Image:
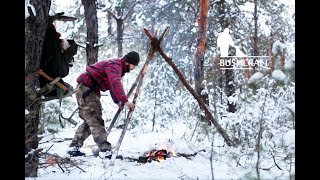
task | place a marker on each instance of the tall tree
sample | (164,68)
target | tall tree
(255,36)
(92,47)
(225,21)
(35,28)
(120,16)
(201,49)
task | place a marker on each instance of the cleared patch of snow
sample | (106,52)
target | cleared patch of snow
(134,145)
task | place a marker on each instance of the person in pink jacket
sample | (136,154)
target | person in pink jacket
(100,76)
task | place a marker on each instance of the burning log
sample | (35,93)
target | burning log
(154,152)
(159,155)
(156,155)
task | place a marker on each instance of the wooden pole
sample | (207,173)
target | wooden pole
(61,86)
(189,88)
(142,74)
(129,116)
(150,55)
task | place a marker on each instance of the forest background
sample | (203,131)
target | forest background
(257,110)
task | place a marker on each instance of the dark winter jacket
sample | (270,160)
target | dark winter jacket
(108,74)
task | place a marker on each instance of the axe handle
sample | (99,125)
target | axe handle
(42,73)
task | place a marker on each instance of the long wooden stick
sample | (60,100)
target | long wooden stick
(42,73)
(151,52)
(114,155)
(119,110)
(143,73)
(150,55)
(189,88)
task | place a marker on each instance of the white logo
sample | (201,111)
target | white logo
(223,42)
(241,60)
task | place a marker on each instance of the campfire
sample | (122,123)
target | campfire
(157,155)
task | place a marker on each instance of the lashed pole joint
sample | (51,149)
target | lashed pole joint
(154,41)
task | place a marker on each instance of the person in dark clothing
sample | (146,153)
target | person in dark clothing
(57,54)
(100,76)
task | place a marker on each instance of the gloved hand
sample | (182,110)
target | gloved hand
(64,44)
(120,105)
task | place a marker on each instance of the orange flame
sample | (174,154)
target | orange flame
(160,154)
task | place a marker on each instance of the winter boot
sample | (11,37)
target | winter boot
(74,151)
(105,155)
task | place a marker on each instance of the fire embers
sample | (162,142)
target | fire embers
(156,155)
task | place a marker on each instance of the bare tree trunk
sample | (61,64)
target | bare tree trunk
(229,74)
(120,29)
(201,49)
(258,145)
(110,25)
(282,58)
(255,37)
(90,13)
(120,17)
(35,28)
(270,53)
(221,7)
(230,89)
(211,160)
(223,23)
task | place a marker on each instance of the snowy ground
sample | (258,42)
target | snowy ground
(135,144)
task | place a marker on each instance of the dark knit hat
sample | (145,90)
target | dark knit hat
(132,57)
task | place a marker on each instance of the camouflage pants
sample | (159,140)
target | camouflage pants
(90,111)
